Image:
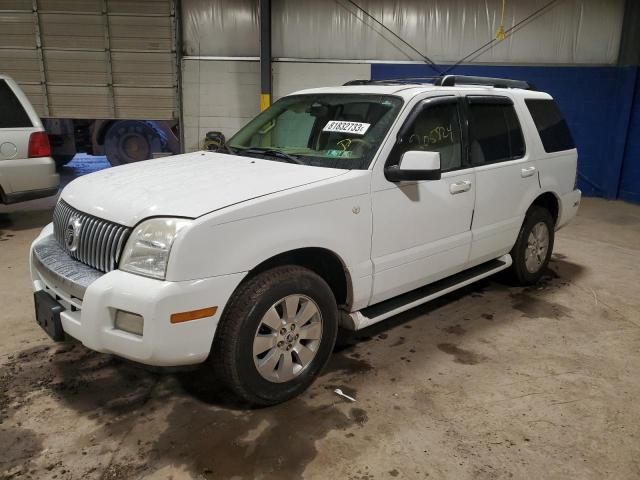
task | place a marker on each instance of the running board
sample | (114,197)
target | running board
(380,311)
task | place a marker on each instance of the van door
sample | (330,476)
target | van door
(505,172)
(422,229)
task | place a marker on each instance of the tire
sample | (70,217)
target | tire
(536,221)
(130,141)
(234,358)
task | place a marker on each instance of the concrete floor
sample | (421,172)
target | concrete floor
(490,382)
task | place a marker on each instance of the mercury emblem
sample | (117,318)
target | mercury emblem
(72,234)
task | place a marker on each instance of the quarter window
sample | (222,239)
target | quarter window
(12,115)
(552,127)
(495,132)
(436,129)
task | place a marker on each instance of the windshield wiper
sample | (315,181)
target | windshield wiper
(272,153)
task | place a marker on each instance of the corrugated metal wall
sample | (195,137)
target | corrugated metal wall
(92,58)
(572,31)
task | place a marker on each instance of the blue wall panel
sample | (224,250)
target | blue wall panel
(596,102)
(630,178)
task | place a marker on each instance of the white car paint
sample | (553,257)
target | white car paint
(21,177)
(390,237)
(201,182)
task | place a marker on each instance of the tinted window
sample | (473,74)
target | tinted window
(12,115)
(436,129)
(553,129)
(495,133)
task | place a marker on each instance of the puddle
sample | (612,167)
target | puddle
(455,330)
(536,307)
(277,442)
(465,357)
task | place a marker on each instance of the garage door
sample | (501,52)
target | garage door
(92,58)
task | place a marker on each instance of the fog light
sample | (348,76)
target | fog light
(129,322)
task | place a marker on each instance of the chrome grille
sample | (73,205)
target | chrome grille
(100,242)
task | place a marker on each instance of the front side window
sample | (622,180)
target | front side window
(324,130)
(12,115)
(435,129)
(494,131)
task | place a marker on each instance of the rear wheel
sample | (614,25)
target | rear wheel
(276,335)
(532,250)
(132,141)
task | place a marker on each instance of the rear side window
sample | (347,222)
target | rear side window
(553,129)
(12,115)
(495,132)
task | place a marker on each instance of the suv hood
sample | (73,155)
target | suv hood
(188,185)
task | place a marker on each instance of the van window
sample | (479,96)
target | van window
(552,127)
(12,115)
(495,133)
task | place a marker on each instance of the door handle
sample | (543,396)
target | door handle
(460,187)
(527,172)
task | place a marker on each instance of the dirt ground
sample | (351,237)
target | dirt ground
(489,382)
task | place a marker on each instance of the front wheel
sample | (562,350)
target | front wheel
(275,335)
(533,248)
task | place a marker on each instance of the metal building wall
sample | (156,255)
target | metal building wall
(223,95)
(572,32)
(221,42)
(92,58)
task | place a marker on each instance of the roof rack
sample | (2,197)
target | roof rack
(450,81)
(395,81)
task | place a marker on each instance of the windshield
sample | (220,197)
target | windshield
(325,130)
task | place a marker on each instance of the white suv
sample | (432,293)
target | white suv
(336,206)
(27,170)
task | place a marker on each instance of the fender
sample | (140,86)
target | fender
(252,232)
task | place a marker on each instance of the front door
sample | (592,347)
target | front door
(422,229)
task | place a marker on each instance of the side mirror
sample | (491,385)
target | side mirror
(415,165)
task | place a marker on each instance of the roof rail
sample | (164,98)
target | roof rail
(394,81)
(452,80)
(449,81)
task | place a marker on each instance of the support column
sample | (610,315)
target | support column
(265,54)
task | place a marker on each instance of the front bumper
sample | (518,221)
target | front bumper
(92,298)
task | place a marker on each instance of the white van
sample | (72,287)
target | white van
(27,170)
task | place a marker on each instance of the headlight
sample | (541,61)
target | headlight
(147,250)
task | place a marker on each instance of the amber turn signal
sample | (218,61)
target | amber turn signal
(193,315)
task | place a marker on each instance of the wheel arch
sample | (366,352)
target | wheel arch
(324,262)
(550,201)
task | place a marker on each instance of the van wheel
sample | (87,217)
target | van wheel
(130,141)
(533,248)
(275,335)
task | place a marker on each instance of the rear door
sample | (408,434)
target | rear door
(505,172)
